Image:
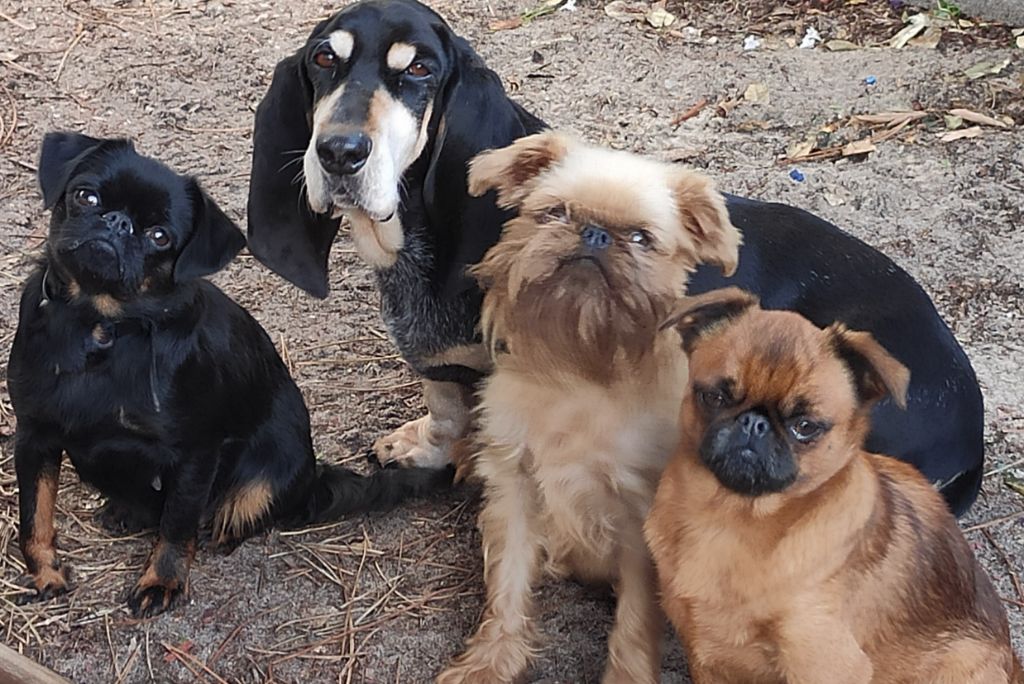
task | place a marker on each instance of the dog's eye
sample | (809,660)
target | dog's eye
(713,399)
(417,70)
(556,214)
(87,198)
(325,58)
(641,237)
(160,238)
(805,430)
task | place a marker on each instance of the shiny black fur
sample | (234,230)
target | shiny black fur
(166,395)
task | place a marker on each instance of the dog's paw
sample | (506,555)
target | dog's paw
(46,584)
(149,600)
(164,582)
(411,446)
(469,674)
(119,519)
(502,661)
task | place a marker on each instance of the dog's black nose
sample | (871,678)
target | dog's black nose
(754,424)
(118,222)
(344,154)
(595,237)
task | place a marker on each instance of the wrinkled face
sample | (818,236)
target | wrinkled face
(771,407)
(120,223)
(375,71)
(601,249)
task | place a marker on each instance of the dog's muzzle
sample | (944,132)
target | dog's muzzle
(344,155)
(747,457)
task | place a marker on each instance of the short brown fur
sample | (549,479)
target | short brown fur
(580,414)
(856,572)
(39,548)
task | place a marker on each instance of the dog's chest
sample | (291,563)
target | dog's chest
(84,375)
(593,454)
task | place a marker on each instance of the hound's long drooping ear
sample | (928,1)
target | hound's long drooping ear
(284,234)
(694,316)
(704,216)
(473,114)
(512,169)
(213,242)
(875,372)
(61,153)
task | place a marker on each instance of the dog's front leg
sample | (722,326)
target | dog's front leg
(430,441)
(165,578)
(37,463)
(634,645)
(504,643)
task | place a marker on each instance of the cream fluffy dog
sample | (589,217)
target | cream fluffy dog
(581,413)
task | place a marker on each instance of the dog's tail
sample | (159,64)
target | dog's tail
(338,491)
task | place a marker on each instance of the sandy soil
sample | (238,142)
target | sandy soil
(389,598)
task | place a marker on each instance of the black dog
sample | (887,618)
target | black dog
(384,96)
(165,394)
(337,96)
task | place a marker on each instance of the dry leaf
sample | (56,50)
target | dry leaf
(833,199)
(623,11)
(975,117)
(859,147)
(953,122)
(757,93)
(840,45)
(972,132)
(801,148)
(929,39)
(985,69)
(658,17)
(505,24)
(916,24)
(724,107)
(1020,42)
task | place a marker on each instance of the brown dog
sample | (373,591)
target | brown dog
(786,553)
(580,415)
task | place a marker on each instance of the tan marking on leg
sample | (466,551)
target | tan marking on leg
(377,243)
(40,550)
(342,43)
(168,567)
(400,56)
(473,356)
(74,289)
(243,511)
(429,441)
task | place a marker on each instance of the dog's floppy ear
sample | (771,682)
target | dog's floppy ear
(473,113)
(705,217)
(695,315)
(61,153)
(511,169)
(876,373)
(213,242)
(284,234)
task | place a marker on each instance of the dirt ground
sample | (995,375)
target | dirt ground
(389,598)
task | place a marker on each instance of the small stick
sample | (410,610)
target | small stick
(690,113)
